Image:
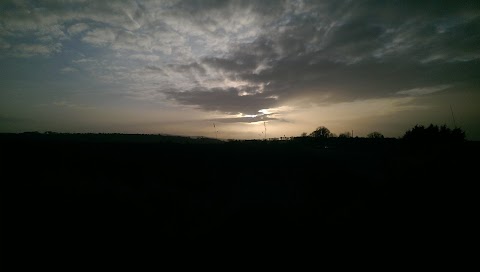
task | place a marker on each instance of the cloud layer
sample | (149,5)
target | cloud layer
(240,57)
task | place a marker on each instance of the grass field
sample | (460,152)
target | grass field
(71,191)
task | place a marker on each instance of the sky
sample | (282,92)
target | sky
(178,67)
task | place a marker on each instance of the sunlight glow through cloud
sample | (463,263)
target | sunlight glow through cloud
(181,64)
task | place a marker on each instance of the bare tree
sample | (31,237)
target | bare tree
(321,132)
(375,135)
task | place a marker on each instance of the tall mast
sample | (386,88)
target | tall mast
(265,125)
(453,117)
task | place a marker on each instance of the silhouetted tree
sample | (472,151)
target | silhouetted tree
(345,135)
(321,132)
(304,134)
(434,133)
(375,135)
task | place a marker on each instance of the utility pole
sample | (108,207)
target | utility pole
(216,132)
(453,117)
(265,125)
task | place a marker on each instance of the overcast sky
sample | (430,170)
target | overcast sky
(177,67)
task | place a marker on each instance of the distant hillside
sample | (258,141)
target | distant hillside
(105,138)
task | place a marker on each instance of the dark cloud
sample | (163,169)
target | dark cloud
(154,68)
(335,52)
(193,67)
(223,100)
(243,119)
(201,11)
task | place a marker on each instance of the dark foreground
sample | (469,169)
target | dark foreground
(71,192)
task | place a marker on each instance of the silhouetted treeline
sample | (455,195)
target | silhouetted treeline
(419,133)
(434,133)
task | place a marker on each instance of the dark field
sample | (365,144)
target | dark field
(103,191)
